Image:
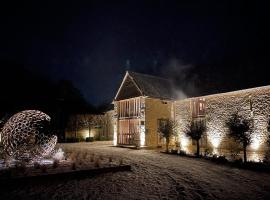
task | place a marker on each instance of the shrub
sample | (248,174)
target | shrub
(121,161)
(92,158)
(173,151)
(182,153)
(43,168)
(89,139)
(36,165)
(55,163)
(219,159)
(72,140)
(97,163)
(101,157)
(110,159)
(20,166)
(73,166)
(238,161)
(208,151)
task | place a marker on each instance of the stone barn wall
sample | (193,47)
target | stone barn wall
(251,103)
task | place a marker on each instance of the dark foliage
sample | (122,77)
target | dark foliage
(72,140)
(89,139)
(268,129)
(22,89)
(240,130)
(195,132)
(219,159)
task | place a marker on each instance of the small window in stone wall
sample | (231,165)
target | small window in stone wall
(198,107)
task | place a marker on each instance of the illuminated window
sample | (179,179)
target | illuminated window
(198,107)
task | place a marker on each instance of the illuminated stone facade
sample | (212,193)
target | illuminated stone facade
(215,110)
(251,103)
(140,102)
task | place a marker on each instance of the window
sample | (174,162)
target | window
(162,122)
(129,108)
(198,107)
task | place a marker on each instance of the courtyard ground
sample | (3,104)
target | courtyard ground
(154,176)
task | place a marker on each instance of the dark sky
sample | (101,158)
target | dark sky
(222,45)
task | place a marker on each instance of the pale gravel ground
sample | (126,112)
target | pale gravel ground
(154,176)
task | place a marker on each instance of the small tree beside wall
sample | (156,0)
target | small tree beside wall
(167,130)
(196,130)
(240,130)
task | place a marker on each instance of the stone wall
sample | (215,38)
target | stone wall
(251,103)
(91,125)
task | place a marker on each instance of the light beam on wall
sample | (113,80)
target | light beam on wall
(255,143)
(184,142)
(215,142)
(142,135)
(114,135)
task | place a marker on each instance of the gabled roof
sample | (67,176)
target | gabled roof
(149,85)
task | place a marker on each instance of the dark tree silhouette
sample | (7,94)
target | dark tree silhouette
(268,126)
(168,130)
(268,130)
(195,132)
(23,90)
(239,129)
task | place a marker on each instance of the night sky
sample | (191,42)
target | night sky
(204,46)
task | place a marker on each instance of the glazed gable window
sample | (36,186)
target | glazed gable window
(198,107)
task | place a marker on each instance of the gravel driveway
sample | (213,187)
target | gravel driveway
(153,176)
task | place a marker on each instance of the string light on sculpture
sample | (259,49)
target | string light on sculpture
(25,137)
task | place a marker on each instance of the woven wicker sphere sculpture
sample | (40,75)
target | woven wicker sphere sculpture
(25,136)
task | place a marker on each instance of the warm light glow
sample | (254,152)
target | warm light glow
(184,142)
(255,144)
(115,135)
(142,135)
(215,142)
(254,157)
(85,133)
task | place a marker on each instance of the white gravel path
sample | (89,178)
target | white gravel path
(154,176)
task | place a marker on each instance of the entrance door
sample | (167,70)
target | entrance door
(128,130)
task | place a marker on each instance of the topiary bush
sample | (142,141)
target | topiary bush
(89,139)
(72,140)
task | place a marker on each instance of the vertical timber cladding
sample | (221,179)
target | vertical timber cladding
(129,114)
(251,103)
(156,109)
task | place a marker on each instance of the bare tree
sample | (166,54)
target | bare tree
(195,132)
(88,121)
(240,130)
(167,130)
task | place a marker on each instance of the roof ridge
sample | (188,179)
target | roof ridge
(148,75)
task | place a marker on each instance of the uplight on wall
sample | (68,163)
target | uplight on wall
(142,135)
(255,144)
(114,135)
(215,141)
(184,142)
